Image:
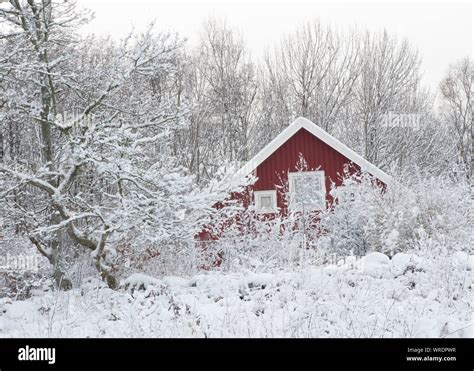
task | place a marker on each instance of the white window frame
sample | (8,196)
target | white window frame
(294,206)
(258,205)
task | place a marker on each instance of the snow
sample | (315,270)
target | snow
(139,281)
(400,263)
(379,298)
(444,327)
(19,309)
(376,264)
(464,260)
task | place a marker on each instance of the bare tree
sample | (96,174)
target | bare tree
(224,90)
(456,107)
(312,73)
(389,81)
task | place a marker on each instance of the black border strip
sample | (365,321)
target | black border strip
(137,354)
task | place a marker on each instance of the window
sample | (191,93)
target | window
(307,190)
(265,202)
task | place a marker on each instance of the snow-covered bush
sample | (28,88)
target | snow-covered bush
(428,215)
(366,218)
(22,269)
(263,243)
(165,243)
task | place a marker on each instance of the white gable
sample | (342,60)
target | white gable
(319,133)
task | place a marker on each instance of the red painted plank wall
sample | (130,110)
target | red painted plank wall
(317,155)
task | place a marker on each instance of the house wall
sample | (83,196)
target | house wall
(274,170)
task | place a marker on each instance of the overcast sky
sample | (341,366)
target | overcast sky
(442,31)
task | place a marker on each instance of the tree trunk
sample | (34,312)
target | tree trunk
(62,281)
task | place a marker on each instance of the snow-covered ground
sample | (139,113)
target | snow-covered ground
(406,296)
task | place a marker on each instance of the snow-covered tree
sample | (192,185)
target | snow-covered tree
(101,166)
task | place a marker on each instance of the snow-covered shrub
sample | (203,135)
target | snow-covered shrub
(22,269)
(261,243)
(21,285)
(142,282)
(163,241)
(427,215)
(366,218)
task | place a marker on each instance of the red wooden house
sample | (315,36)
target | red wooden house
(327,160)
(277,168)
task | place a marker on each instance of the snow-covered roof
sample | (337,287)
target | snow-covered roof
(302,123)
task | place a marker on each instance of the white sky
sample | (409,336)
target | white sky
(442,31)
